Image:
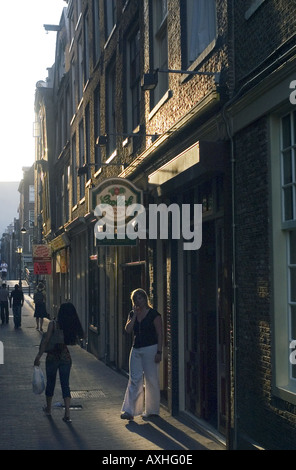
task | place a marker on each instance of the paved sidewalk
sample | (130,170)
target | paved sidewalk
(97,394)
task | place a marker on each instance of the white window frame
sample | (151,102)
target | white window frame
(31,193)
(284,374)
(31,218)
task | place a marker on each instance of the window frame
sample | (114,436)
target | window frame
(284,373)
(160,42)
(200,57)
(82,157)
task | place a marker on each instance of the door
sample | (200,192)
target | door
(205,328)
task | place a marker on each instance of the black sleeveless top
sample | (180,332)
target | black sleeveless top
(144,332)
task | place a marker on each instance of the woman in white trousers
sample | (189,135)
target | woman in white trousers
(145,322)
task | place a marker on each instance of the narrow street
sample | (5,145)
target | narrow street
(97,394)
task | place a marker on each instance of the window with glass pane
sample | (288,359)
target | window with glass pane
(135,78)
(82,179)
(292,289)
(110,16)
(96,34)
(111,110)
(31,193)
(160,46)
(201,26)
(97,106)
(74,171)
(86,50)
(288,147)
(31,218)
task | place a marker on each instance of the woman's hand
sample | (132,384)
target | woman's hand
(37,360)
(130,322)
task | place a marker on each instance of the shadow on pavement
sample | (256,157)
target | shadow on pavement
(164,435)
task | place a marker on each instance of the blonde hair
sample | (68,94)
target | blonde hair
(140,292)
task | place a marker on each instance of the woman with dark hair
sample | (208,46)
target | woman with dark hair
(68,330)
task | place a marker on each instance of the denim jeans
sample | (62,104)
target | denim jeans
(4,311)
(54,364)
(17,315)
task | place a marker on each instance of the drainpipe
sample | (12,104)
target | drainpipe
(233,439)
(234,286)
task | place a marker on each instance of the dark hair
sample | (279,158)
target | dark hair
(70,324)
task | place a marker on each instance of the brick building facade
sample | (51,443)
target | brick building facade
(212,138)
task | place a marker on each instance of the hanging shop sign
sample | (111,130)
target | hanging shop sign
(60,242)
(111,201)
(42,259)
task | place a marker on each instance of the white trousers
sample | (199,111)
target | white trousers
(142,362)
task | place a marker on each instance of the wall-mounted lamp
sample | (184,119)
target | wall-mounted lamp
(149,80)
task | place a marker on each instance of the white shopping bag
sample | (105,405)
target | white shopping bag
(38,382)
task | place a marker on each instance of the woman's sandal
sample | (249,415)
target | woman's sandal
(67,419)
(46,411)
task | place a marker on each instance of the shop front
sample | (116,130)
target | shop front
(192,284)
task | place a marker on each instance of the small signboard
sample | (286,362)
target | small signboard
(42,259)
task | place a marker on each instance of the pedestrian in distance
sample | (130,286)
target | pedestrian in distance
(39,299)
(59,358)
(17,299)
(4,268)
(4,298)
(146,325)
